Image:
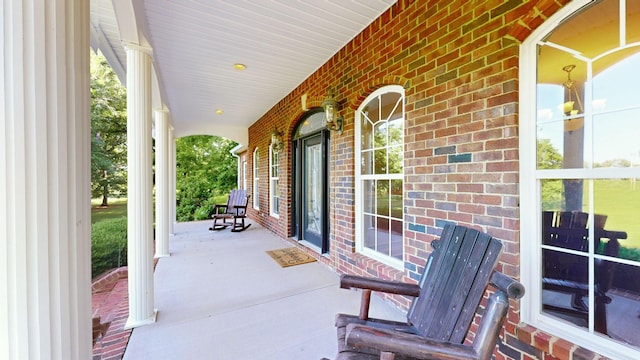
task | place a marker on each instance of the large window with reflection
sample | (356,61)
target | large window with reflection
(584,155)
(379,176)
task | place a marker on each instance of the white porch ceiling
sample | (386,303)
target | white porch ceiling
(196,43)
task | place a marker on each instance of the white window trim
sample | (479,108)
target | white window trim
(530,210)
(256,179)
(360,248)
(272,178)
(244,173)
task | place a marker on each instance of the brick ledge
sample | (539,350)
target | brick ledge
(554,346)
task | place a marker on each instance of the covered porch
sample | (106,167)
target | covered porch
(220,296)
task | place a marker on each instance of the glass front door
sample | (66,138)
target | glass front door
(312,191)
(310,210)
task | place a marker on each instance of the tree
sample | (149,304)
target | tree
(552,190)
(205,169)
(108,131)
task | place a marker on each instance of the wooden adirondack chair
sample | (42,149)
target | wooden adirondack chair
(445,302)
(232,213)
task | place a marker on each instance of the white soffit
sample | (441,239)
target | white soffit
(196,43)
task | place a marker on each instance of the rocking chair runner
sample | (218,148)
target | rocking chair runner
(454,281)
(233,213)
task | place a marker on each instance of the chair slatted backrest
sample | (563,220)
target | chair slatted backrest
(453,283)
(237,198)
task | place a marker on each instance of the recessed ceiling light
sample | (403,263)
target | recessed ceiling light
(239,66)
(219,111)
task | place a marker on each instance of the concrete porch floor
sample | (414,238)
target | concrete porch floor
(220,296)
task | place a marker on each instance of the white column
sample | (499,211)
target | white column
(162,183)
(139,187)
(172,181)
(45,244)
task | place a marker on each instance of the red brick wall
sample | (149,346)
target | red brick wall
(458,61)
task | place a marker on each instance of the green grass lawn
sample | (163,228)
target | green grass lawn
(621,204)
(117,208)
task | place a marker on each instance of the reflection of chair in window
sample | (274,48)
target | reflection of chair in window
(569,272)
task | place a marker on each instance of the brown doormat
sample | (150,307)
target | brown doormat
(290,256)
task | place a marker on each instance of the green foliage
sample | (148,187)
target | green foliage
(548,156)
(108,245)
(205,170)
(552,190)
(108,131)
(629,254)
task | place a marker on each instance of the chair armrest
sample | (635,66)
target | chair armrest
(240,209)
(370,284)
(390,287)
(405,344)
(511,287)
(217,207)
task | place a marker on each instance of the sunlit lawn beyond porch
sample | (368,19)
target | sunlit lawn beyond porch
(117,208)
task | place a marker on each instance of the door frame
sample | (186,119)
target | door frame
(297,174)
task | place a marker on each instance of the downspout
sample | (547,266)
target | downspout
(234,152)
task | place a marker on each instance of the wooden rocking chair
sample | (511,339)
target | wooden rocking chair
(445,302)
(232,213)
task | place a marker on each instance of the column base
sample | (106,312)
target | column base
(133,323)
(158,256)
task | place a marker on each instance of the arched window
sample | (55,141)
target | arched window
(580,158)
(256,179)
(379,176)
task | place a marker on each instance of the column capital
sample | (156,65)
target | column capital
(133,46)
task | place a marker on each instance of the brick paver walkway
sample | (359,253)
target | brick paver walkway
(110,305)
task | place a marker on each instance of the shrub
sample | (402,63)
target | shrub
(108,245)
(205,211)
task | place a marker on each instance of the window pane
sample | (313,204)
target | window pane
(633,22)
(368,196)
(383,235)
(616,81)
(396,239)
(390,108)
(369,232)
(372,110)
(617,205)
(601,30)
(552,194)
(367,163)
(395,160)
(396,199)
(616,141)
(310,125)
(380,161)
(367,132)
(382,195)
(391,105)
(396,132)
(617,235)
(622,312)
(380,134)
